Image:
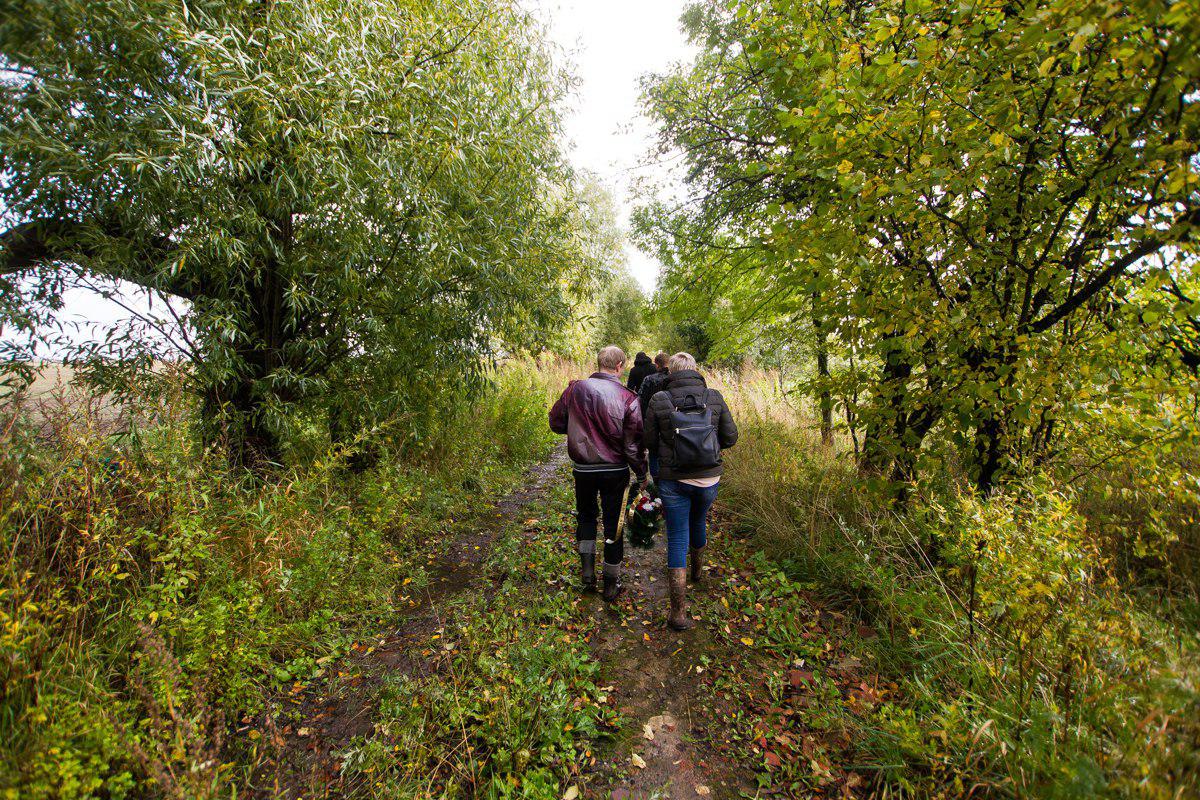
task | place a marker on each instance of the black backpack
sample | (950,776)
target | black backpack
(696,445)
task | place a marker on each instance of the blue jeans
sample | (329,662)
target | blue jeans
(652,457)
(685,509)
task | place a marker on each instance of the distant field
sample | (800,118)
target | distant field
(58,395)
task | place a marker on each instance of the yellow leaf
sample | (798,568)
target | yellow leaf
(571,793)
(638,761)
(746,640)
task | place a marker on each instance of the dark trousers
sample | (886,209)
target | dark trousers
(596,491)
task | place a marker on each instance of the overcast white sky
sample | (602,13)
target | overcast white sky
(611,44)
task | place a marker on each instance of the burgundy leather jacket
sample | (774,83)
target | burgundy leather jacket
(603,424)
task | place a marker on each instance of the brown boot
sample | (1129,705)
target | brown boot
(696,564)
(678,619)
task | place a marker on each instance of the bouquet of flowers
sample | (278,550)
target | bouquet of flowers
(642,519)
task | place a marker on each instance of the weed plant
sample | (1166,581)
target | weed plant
(1023,664)
(150,599)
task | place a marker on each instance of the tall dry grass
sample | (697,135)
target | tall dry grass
(1000,621)
(147,593)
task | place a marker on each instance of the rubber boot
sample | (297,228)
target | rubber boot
(696,564)
(587,571)
(678,619)
(612,582)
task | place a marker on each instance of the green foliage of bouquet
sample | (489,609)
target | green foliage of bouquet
(642,519)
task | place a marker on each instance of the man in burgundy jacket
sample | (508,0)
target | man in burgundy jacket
(603,424)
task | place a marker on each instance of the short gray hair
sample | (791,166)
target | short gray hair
(681,361)
(610,357)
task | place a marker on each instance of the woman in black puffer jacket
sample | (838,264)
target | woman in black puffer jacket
(687,425)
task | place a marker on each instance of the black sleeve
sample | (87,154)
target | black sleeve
(727,432)
(650,428)
(646,392)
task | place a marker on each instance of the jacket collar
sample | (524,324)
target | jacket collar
(685,378)
(607,375)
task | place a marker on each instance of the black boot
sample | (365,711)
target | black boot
(612,582)
(587,571)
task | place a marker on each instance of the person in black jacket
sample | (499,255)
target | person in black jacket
(642,366)
(688,491)
(655,382)
(652,385)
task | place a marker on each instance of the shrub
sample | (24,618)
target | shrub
(1023,664)
(146,593)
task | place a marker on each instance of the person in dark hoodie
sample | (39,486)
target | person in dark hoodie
(652,385)
(642,366)
(687,425)
(603,424)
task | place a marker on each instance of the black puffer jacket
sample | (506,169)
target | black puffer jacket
(651,385)
(642,366)
(659,436)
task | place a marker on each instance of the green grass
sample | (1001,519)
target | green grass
(1055,680)
(148,600)
(150,603)
(516,708)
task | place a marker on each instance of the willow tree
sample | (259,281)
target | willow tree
(981,197)
(350,195)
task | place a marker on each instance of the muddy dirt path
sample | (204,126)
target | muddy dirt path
(304,754)
(658,677)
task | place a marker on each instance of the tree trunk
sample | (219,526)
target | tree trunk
(887,420)
(825,400)
(824,395)
(993,449)
(995,439)
(231,422)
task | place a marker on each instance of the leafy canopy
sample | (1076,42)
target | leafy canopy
(345,192)
(983,202)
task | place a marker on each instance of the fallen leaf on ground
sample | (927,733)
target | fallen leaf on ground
(798,677)
(571,793)
(662,721)
(702,790)
(638,761)
(647,732)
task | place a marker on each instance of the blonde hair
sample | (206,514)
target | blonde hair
(610,357)
(681,361)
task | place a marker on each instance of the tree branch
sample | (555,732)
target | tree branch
(45,242)
(1101,280)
